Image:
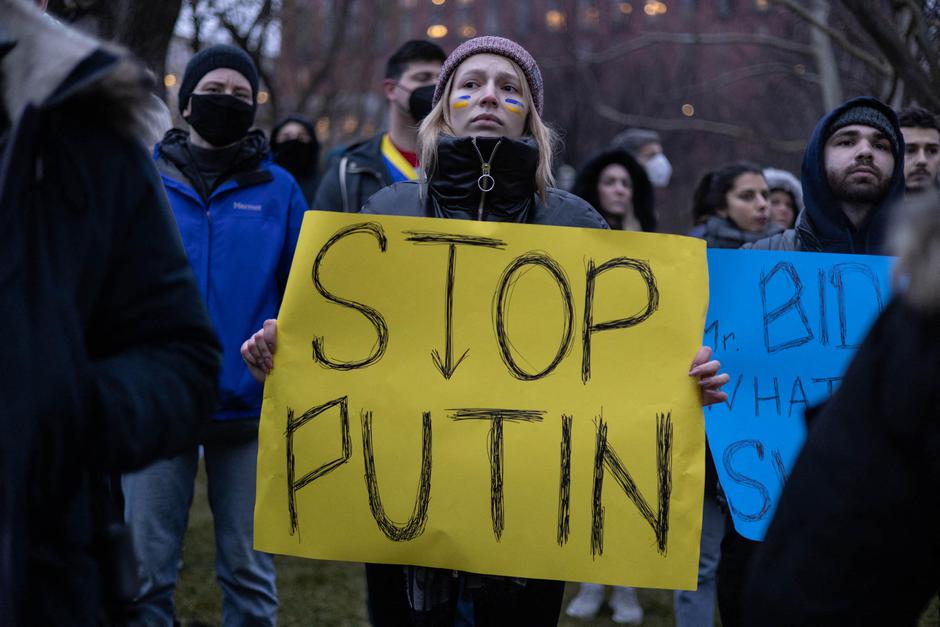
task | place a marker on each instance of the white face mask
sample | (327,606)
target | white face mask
(659,170)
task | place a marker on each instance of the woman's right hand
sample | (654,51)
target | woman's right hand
(258,350)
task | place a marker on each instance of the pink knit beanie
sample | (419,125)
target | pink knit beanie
(494,45)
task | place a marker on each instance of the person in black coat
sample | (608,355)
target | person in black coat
(616,185)
(855,540)
(109,361)
(488,158)
(296,149)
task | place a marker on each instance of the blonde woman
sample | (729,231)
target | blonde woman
(485,151)
(486,155)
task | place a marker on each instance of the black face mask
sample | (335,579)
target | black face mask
(419,103)
(296,156)
(220,119)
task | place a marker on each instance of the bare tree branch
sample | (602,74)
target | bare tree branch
(255,49)
(740,133)
(877,64)
(742,73)
(918,28)
(896,51)
(649,39)
(333,47)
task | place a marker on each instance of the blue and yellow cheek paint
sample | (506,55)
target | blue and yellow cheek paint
(461,102)
(514,106)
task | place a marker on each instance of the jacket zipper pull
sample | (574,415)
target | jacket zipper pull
(485,182)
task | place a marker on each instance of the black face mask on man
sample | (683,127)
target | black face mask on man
(419,103)
(296,156)
(220,119)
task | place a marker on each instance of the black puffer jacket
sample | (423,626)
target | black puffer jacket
(453,190)
(109,361)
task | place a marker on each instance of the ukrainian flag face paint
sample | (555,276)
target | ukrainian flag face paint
(486,98)
(514,106)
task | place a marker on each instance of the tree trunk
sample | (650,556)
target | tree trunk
(825,58)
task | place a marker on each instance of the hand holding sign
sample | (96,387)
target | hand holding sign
(785,326)
(706,370)
(258,350)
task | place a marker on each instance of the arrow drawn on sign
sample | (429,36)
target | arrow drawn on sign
(447,365)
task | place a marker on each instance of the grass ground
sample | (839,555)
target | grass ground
(332,594)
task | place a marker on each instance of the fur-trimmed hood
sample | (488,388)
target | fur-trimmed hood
(786,181)
(49,63)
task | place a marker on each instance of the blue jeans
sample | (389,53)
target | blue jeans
(157,501)
(697,609)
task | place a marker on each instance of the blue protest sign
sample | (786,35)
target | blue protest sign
(785,326)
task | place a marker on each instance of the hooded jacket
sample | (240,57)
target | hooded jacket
(585,185)
(453,191)
(109,361)
(239,237)
(822,225)
(351,179)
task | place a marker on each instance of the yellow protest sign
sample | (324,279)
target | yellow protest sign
(496,398)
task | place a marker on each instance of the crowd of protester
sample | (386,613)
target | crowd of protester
(144,266)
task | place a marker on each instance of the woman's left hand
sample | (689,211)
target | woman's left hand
(706,369)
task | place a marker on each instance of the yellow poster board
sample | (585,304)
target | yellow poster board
(496,398)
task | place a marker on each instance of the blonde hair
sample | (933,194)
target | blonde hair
(437,122)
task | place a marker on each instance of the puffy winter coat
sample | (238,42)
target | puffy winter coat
(452,191)
(240,242)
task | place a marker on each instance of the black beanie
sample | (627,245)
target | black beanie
(867,116)
(212,58)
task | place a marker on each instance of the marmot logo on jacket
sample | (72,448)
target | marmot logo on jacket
(247,207)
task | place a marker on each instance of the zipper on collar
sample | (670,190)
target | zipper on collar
(486,182)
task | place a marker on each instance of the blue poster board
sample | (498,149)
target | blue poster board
(785,326)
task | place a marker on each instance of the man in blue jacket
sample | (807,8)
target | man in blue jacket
(239,215)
